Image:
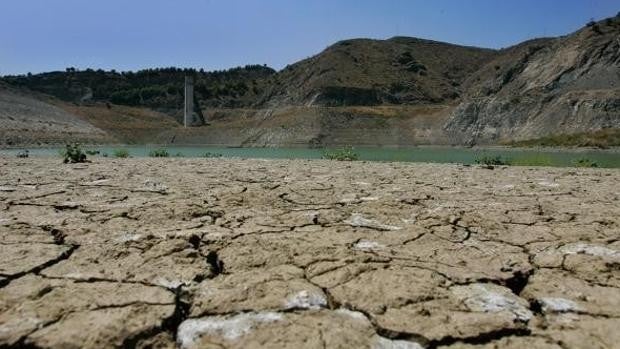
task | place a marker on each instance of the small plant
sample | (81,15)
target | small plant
(585,162)
(73,154)
(23,154)
(92,152)
(179,155)
(121,153)
(344,154)
(487,160)
(159,153)
(210,155)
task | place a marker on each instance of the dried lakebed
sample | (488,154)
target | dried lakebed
(192,253)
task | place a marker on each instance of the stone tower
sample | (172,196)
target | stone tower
(191,116)
(189,101)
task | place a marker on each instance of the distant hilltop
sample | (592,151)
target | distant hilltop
(400,91)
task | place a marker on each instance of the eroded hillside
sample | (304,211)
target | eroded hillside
(543,87)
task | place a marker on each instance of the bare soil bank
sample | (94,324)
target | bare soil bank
(265,253)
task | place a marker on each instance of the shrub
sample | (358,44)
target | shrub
(344,154)
(159,153)
(212,155)
(179,155)
(592,24)
(585,162)
(121,153)
(73,154)
(491,160)
(23,154)
(92,152)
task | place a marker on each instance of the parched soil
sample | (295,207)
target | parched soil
(222,253)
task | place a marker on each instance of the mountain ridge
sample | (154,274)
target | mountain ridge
(361,89)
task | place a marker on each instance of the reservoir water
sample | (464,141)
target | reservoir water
(526,157)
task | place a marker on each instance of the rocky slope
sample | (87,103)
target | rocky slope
(564,85)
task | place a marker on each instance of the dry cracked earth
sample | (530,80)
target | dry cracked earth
(191,253)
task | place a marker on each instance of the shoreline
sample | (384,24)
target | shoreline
(290,146)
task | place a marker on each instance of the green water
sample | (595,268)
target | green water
(528,157)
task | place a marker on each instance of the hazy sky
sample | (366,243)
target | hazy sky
(45,35)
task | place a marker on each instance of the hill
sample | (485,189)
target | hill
(544,87)
(160,89)
(373,72)
(395,92)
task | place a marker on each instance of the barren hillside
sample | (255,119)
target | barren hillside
(544,87)
(28,120)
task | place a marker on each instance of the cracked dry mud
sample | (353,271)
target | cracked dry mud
(159,253)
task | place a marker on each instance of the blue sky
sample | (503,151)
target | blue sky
(45,35)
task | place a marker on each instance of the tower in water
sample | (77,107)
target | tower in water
(191,117)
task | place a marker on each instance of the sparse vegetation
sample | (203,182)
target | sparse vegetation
(23,154)
(179,155)
(488,160)
(212,155)
(121,153)
(159,153)
(92,152)
(585,162)
(73,154)
(345,154)
(595,27)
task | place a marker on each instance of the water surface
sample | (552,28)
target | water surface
(544,157)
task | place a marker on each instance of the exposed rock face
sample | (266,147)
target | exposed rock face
(162,253)
(550,86)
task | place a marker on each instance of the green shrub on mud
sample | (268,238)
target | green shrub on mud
(488,160)
(23,154)
(344,154)
(121,153)
(73,154)
(210,155)
(159,153)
